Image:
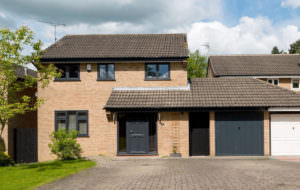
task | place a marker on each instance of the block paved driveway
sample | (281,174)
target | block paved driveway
(194,173)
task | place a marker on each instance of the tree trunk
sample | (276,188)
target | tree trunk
(2,142)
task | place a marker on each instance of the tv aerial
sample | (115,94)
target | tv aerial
(54,25)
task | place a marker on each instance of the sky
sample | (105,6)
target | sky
(227,26)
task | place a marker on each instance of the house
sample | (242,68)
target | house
(20,134)
(279,69)
(128,94)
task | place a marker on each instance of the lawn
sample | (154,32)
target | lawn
(29,176)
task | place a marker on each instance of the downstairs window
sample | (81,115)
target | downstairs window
(72,120)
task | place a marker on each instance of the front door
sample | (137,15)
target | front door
(137,134)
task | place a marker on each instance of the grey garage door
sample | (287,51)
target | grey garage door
(239,133)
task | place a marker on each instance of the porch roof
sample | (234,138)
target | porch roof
(206,93)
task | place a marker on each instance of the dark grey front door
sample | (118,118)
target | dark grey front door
(137,136)
(239,133)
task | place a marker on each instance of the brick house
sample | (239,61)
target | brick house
(129,95)
(279,69)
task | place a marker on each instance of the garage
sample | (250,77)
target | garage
(285,134)
(239,133)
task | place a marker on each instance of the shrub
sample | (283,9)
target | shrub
(64,145)
(5,160)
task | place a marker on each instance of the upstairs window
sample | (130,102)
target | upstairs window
(72,120)
(295,84)
(106,72)
(274,81)
(157,71)
(69,72)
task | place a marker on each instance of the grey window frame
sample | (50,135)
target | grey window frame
(106,70)
(67,73)
(78,118)
(157,71)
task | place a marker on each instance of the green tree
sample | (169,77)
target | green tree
(295,47)
(197,65)
(275,50)
(12,47)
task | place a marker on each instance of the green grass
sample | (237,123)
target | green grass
(29,176)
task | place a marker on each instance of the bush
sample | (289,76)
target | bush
(64,145)
(5,160)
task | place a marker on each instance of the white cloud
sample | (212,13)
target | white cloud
(249,36)
(291,3)
(161,13)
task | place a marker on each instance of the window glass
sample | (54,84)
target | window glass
(295,83)
(82,127)
(73,71)
(61,124)
(72,121)
(102,72)
(270,81)
(111,71)
(163,70)
(276,82)
(151,70)
(157,71)
(62,69)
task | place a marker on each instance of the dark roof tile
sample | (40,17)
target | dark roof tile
(208,93)
(119,46)
(255,65)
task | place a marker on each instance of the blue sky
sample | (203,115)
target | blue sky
(235,9)
(228,26)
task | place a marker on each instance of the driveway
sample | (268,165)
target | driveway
(194,173)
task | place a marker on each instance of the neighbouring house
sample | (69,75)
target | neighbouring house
(128,94)
(20,134)
(281,70)
(278,69)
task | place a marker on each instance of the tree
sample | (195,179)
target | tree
(12,47)
(275,50)
(295,47)
(197,65)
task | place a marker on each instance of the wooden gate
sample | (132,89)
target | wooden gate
(25,145)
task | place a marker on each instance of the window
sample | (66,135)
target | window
(295,84)
(157,71)
(69,72)
(274,81)
(72,120)
(106,72)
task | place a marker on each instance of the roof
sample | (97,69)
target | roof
(121,46)
(255,65)
(207,93)
(22,71)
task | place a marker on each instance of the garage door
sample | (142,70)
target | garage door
(285,134)
(239,133)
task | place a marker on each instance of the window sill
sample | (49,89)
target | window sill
(157,79)
(130,154)
(106,79)
(67,80)
(84,136)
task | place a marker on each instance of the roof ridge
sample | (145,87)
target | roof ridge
(241,55)
(131,34)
